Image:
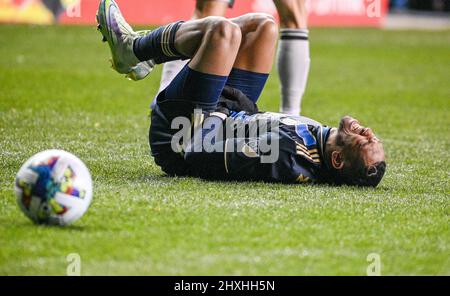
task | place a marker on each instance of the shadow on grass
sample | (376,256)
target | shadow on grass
(171,180)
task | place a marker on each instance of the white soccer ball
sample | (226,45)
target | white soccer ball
(53,187)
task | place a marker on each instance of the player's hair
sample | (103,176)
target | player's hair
(355,171)
(365,176)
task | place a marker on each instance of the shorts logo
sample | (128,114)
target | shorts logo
(250,149)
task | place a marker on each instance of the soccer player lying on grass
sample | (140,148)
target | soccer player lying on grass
(229,64)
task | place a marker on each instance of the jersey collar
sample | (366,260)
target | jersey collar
(323,134)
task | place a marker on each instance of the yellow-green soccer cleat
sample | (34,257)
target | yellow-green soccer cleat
(120,37)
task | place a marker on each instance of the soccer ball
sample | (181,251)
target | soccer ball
(53,187)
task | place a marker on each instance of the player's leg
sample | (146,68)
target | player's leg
(239,50)
(174,41)
(212,43)
(259,33)
(293,53)
(255,58)
(203,9)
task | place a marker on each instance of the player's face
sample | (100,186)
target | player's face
(360,140)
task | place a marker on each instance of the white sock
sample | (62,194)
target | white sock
(169,71)
(293,68)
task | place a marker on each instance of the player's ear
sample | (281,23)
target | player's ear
(337,159)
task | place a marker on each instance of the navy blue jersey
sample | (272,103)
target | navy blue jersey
(299,157)
(301,143)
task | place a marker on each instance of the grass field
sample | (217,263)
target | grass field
(57,91)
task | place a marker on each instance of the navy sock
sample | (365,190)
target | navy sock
(158,45)
(248,82)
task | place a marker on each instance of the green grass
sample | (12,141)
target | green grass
(56,91)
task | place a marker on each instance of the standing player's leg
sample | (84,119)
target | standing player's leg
(293,53)
(203,9)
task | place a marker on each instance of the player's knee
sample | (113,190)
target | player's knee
(269,29)
(225,32)
(265,17)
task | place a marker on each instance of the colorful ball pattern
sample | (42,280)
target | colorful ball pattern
(54,187)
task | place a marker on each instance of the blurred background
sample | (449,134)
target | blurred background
(369,13)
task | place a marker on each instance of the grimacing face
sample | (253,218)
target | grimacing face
(359,141)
